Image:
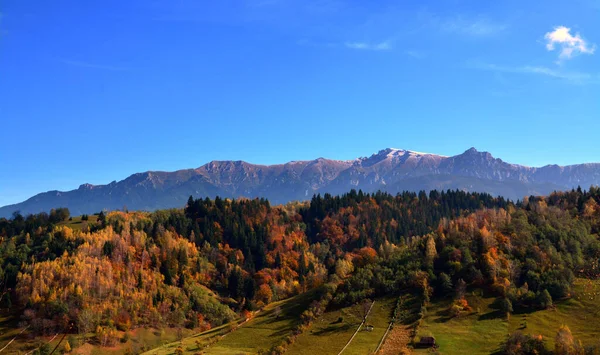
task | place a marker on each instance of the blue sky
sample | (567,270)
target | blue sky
(94,91)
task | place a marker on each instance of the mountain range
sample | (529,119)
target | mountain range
(391,170)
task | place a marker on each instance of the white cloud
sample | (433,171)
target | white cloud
(415,54)
(381,46)
(569,45)
(573,77)
(474,27)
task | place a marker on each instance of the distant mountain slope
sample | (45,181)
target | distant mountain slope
(391,170)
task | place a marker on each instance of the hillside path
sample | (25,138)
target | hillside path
(358,329)
(397,341)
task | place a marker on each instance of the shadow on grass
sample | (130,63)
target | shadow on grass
(212,332)
(524,310)
(334,329)
(409,309)
(443,315)
(442,319)
(491,315)
(281,332)
(410,319)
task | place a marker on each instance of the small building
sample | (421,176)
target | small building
(426,342)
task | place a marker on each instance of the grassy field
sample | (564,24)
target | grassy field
(138,339)
(328,334)
(479,332)
(483,330)
(400,336)
(331,332)
(76,223)
(581,314)
(264,330)
(196,342)
(9,329)
(366,342)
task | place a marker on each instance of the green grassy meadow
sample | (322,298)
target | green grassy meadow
(366,342)
(195,343)
(330,332)
(138,339)
(484,329)
(265,329)
(581,314)
(76,223)
(478,332)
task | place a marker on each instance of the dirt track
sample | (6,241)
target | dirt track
(396,341)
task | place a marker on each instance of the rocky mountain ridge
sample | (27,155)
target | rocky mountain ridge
(391,170)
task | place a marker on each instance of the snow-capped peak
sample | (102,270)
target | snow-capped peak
(391,152)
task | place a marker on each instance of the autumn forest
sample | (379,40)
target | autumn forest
(218,260)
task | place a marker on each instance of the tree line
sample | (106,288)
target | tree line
(199,266)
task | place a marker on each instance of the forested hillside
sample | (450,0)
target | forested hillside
(218,260)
